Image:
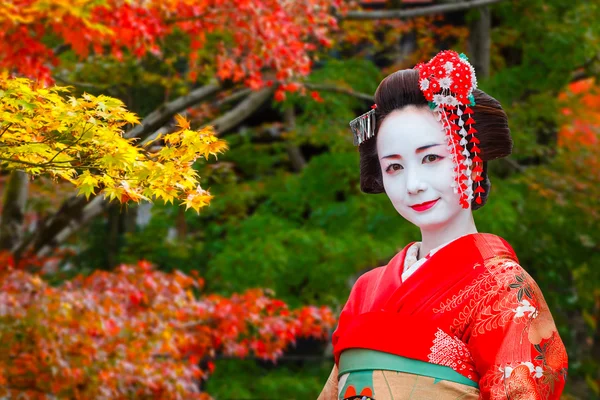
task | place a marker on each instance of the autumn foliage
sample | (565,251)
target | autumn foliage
(574,179)
(580,102)
(134,333)
(251,35)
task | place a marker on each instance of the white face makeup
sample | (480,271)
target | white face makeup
(417,169)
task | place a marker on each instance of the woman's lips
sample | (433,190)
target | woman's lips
(424,206)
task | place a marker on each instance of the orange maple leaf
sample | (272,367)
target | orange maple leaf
(182,122)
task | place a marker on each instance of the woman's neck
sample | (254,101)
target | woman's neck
(462,225)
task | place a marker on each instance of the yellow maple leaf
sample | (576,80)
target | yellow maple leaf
(131,118)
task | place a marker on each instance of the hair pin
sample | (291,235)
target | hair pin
(363,126)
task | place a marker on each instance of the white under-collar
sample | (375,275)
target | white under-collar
(411,263)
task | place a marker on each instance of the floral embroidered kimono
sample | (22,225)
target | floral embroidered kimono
(470,323)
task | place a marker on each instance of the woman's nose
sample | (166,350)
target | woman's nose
(414,183)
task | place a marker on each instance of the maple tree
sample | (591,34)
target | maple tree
(271,44)
(81,140)
(269,33)
(135,332)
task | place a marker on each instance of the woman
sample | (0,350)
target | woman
(454,316)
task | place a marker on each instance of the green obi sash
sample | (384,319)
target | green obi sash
(353,360)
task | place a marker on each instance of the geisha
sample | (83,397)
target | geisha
(453,316)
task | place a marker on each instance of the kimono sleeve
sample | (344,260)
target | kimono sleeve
(514,343)
(349,310)
(361,299)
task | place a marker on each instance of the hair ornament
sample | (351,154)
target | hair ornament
(447,82)
(363,126)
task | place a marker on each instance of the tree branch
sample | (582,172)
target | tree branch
(234,97)
(157,118)
(61,48)
(513,164)
(85,85)
(242,111)
(70,210)
(168,128)
(77,211)
(6,128)
(339,89)
(73,219)
(416,12)
(52,164)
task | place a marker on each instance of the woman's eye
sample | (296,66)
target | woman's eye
(431,158)
(393,167)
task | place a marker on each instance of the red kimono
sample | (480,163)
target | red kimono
(470,307)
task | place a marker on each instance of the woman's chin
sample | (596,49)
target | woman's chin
(432,225)
(428,221)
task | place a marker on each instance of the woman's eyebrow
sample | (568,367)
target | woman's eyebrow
(423,148)
(419,150)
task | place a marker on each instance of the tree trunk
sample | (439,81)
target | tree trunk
(13,211)
(595,350)
(480,43)
(296,157)
(113,235)
(130,218)
(181,224)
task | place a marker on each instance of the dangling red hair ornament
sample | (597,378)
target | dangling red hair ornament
(447,82)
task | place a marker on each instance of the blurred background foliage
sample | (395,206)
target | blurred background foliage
(307,232)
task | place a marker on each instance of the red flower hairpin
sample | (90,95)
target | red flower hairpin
(447,82)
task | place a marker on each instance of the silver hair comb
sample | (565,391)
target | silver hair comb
(363,126)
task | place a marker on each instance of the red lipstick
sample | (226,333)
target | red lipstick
(424,206)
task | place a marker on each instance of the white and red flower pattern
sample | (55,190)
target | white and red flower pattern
(454,353)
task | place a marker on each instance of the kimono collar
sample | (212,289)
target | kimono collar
(412,263)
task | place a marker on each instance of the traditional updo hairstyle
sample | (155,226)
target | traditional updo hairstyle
(401,89)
